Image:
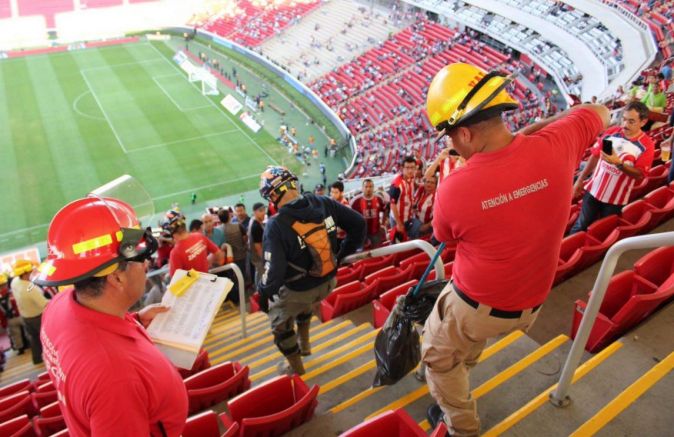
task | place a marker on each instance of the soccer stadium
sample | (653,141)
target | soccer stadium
(336,217)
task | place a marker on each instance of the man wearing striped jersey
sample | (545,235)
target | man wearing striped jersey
(609,188)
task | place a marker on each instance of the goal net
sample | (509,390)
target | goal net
(207,81)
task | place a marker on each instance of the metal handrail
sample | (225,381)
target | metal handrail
(559,397)
(401,247)
(239,277)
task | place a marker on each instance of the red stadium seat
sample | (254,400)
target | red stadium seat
(207,424)
(43,399)
(417,269)
(418,258)
(656,177)
(371,266)
(273,408)
(638,216)
(63,433)
(440,431)
(393,423)
(254,302)
(216,384)
(44,387)
(661,201)
(44,377)
(381,307)
(46,426)
(201,363)
(569,256)
(16,387)
(346,298)
(448,272)
(17,427)
(350,275)
(16,405)
(381,273)
(656,266)
(640,188)
(629,300)
(51,410)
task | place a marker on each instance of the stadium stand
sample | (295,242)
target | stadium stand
(249,23)
(88,4)
(657,16)
(340,31)
(46,8)
(5,9)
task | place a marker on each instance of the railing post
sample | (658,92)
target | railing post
(559,397)
(242,291)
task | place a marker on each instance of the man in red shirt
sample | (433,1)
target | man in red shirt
(402,200)
(423,202)
(372,208)
(337,193)
(444,164)
(505,211)
(613,179)
(110,378)
(192,250)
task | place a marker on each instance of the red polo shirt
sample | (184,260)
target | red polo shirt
(191,253)
(507,211)
(111,379)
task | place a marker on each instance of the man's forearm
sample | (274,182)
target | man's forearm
(603,113)
(632,172)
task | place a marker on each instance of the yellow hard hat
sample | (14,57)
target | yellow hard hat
(23,266)
(461,91)
(3,279)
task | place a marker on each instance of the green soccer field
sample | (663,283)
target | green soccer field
(73,121)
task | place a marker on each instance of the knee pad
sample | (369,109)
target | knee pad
(286,342)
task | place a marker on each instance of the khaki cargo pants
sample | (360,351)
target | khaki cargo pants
(454,336)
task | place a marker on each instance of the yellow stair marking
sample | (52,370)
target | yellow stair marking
(225,315)
(341,360)
(269,338)
(626,398)
(348,376)
(314,338)
(519,366)
(234,331)
(542,398)
(235,322)
(318,360)
(425,425)
(411,397)
(14,370)
(261,337)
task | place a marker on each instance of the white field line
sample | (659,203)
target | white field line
(177,105)
(105,114)
(166,196)
(184,140)
(77,109)
(122,64)
(220,109)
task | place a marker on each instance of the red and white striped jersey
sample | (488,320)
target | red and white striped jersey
(447,165)
(424,205)
(608,183)
(402,197)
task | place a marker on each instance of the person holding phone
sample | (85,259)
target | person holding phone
(625,154)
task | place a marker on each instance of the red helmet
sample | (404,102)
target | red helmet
(88,237)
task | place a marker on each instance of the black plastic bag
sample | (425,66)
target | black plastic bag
(419,307)
(396,348)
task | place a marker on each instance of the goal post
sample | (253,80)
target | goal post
(208,82)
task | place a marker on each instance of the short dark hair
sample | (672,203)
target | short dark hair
(640,107)
(257,206)
(365,181)
(338,185)
(93,286)
(195,225)
(409,158)
(223,215)
(240,205)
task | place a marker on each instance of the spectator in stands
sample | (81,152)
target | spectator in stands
(15,327)
(373,208)
(443,165)
(241,216)
(337,193)
(235,236)
(196,225)
(111,379)
(191,250)
(212,232)
(299,267)
(488,209)
(609,188)
(402,200)
(31,303)
(255,233)
(424,199)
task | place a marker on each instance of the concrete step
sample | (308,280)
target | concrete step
(640,350)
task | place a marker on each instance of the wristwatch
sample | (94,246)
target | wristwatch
(620,166)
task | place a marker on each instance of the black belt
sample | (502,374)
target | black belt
(502,314)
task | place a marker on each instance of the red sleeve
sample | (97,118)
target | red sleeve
(175,262)
(441,225)
(211,247)
(645,160)
(575,132)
